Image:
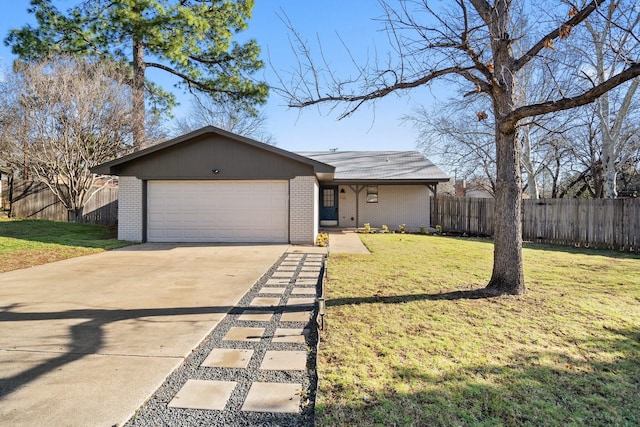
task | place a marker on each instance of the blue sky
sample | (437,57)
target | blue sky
(376,127)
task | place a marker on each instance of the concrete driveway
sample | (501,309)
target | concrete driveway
(85,341)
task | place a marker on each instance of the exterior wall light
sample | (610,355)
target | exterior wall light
(215,171)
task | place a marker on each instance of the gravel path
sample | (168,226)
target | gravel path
(155,411)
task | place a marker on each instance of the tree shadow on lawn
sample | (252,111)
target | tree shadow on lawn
(532,388)
(472,294)
(569,249)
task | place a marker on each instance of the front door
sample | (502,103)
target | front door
(329,206)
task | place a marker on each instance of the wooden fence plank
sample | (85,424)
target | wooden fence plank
(601,223)
(35,200)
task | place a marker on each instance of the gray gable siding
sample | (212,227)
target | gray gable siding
(196,158)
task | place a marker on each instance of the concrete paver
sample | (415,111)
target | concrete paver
(303,282)
(275,360)
(87,340)
(296,316)
(228,358)
(300,301)
(273,397)
(290,335)
(256,315)
(203,394)
(264,302)
(272,290)
(237,333)
(303,291)
(276,282)
(308,274)
(283,274)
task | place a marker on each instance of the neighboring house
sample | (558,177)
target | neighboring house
(214,186)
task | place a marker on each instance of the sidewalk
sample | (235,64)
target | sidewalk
(258,366)
(346,242)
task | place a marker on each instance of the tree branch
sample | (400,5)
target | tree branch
(567,103)
(572,22)
(379,93)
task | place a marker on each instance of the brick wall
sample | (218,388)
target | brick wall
(303,210)
(130,209)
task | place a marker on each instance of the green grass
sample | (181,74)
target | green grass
(26,243)
(409,343)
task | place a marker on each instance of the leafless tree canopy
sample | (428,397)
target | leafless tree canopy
(228,116)
(474,43)
(60,118)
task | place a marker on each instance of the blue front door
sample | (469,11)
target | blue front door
(329,206)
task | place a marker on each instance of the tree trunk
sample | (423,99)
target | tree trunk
(137,94)
(508,275)
(75,215)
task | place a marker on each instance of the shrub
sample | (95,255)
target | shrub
(322,239)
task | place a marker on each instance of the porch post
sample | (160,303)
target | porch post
(357,191)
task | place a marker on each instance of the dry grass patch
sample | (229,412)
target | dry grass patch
(409,342)
(26,243)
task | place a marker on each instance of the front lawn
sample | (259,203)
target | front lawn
(404,345)
(25,243)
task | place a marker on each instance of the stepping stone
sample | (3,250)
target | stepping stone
(273,397)
(304,291)
(300,301)
(309,274)
(283,274)
(284,361)
(228,358)
(315,269)
(290,263)
(306,282)
(287,267)
(277,282)
(256,316)
(271,290)
(311,264)
(296,316)
(292,335)
(202,394)
(264,302)
(244,334)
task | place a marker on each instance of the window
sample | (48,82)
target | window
(328,198)
(372,194)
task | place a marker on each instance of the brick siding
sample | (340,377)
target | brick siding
(303,210)
(130,209)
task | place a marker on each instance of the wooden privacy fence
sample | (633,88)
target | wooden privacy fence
(601,223)
(35,200)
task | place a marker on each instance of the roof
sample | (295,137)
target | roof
(380,166)
(109,168)
(401,167)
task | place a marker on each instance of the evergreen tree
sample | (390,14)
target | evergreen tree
(190,39)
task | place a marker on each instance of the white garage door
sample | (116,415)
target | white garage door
(218,211)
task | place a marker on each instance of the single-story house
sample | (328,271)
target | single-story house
(214,186)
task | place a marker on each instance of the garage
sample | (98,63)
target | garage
(218,211)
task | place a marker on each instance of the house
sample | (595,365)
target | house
(214,186)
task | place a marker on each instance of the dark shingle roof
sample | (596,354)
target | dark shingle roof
(398,166)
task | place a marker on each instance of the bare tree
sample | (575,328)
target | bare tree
(471,42)
(611,46)
(229,116)
(65,116)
